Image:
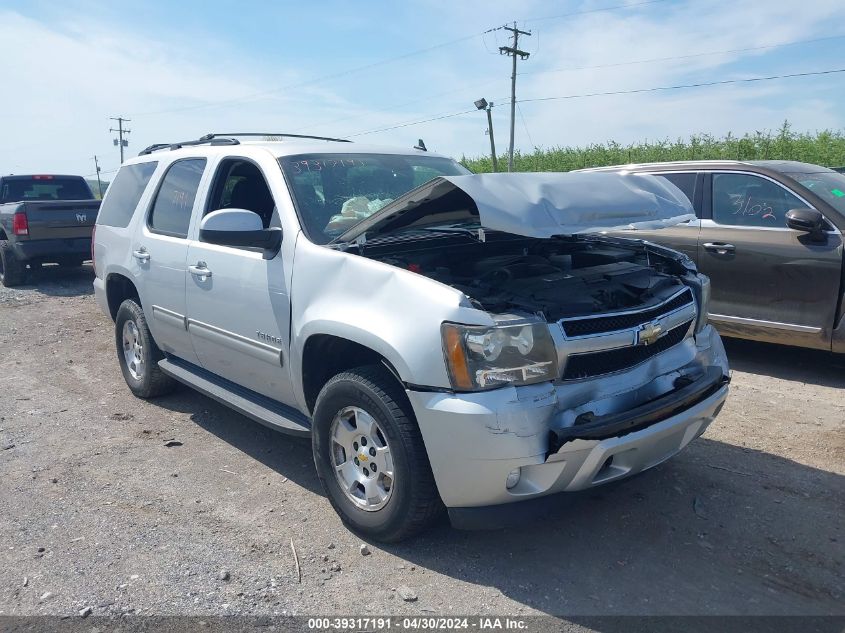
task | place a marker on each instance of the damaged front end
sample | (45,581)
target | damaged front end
(598,362)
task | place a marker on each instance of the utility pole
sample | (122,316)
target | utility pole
(99,183)
(119,141)
(513,51)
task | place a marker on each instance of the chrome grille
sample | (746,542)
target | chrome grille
(597,363)
(607,343)
(587,326)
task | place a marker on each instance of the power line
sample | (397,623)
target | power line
(525,125)
(682,86)
(602,94)
(102,171)
(322,78)
(679,57)
(387,60)
(426,98)
(410,123)
(398,106)
(599,10)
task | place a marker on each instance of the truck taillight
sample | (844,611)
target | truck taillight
(20,226)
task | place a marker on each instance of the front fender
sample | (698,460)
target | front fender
(392,311)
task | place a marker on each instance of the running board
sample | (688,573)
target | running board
(249,403)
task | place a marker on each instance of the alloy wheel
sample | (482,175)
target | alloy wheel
(361,459)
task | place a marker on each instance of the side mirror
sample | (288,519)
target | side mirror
(239,228)
(807,221)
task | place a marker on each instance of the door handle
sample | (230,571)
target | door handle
(200,270)
(141,254)
(720,248)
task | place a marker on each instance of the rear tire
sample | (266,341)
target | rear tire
(138,353)
(12,270)
(372,405)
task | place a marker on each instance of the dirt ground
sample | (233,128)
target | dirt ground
(96,510)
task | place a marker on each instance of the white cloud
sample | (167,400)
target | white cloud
(68,78)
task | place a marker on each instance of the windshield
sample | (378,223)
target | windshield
(333,192)
(828,186)
(44,188)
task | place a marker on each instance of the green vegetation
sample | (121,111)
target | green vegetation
(822,148)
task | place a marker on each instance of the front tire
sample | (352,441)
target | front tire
(12,270)
(370,456)
(138,353)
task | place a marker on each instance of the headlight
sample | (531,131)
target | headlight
(517,352)
(704,304)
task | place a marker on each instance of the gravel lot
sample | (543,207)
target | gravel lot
(97,510)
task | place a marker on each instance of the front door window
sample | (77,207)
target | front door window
(746,200)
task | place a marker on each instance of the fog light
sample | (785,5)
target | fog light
(513,478)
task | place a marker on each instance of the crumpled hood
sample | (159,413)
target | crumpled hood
(535,204)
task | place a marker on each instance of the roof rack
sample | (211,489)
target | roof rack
(228,139)
(202,141)
(208,137)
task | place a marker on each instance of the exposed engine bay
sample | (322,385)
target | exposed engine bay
(558,278)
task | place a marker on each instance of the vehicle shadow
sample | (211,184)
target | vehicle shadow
(799,364)
(56,281)
(719,529)
(288,455)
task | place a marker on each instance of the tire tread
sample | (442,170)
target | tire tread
(425,505)
(159,383)
(14,270)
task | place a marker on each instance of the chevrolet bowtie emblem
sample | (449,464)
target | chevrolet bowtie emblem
(649,333)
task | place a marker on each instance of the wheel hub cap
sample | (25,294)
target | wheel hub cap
(133,351)
(361,459)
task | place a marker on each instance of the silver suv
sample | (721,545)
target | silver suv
(446,339)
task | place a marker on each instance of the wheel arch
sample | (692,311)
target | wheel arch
(326,355)
(119,288)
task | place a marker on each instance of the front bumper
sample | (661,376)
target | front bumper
(650,412)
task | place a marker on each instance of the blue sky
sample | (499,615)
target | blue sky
(181,69)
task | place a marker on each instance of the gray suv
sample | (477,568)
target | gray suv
(447,340)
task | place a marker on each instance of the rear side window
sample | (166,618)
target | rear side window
(174,202)
(684,182)
(124,193)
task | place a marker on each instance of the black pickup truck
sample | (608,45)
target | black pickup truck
(44,219)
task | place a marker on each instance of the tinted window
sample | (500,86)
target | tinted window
(746,200)
(44,188)
(333,192)
(171,212)
(684,182)
(124,193)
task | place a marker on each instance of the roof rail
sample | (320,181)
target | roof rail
(279,134)
(202,141)
(227,139)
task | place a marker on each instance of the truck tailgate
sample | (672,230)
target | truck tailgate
(61,219)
